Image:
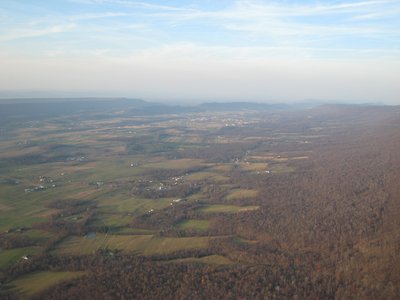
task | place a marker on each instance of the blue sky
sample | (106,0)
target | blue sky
(203,50)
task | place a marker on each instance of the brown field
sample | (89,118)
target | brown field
(4,207)
(254,166)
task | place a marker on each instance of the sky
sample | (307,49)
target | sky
(198,51)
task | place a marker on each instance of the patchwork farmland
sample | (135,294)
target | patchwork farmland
(291,196)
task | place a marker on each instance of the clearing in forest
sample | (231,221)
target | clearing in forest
(139,244)
(222,208)
(28,285)
(201,225)
(242,194)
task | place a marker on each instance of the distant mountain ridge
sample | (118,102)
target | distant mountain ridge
(36,108)
(241,105)
(38,100)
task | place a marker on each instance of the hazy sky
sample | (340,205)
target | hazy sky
(202,50)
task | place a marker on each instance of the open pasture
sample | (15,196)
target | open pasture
(222,168)
(108,170)
(124,202)
(11,256)
(209,259)
(248,166)
(201,225)
(208,176)
(111,220)
(30,284)
(222,208)
(23,209)
(134,244)
(177,164)
(242,194)
(281,168)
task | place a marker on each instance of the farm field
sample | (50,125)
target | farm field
(242,194)
(15,255)
(138,244)
(31,284)
(292,196)
(211,259)
(221,208)
(201,225)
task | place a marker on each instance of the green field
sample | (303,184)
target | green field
(215,177)
(210,259)
(242,194)
(254,166)
(201,225)
(122,202)
(111,169)
(111,220)
(176,164)
(39,235)
(31,284)
(281,168)
(10,256)
(138,244)
(23,209)
(133,231)
(222,208)
(222,168)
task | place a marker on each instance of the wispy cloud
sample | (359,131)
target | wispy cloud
(92,16)
(242,10)
(21,33)
(271,23)
(133,4)
(284,20)
(346,7)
